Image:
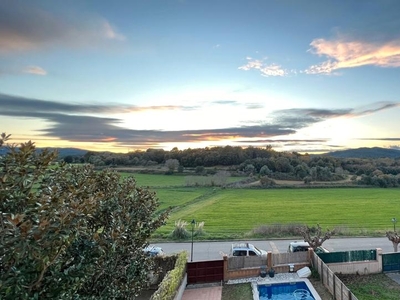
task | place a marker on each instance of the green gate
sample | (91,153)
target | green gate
(391,262)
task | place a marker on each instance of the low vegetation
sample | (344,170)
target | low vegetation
(237,291)
(371,287)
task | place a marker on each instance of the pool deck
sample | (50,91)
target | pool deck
(214,292)
(278,278)
(203,292)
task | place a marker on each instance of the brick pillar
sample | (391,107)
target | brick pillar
(379,259)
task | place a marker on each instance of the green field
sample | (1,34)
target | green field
(230,213)
(234,213)
(157,180)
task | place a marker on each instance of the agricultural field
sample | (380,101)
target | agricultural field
(235,213)
(157,180)
(230,213)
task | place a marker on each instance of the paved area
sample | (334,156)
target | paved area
(394,276)
(203,293)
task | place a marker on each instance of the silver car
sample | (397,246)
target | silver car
(246,249)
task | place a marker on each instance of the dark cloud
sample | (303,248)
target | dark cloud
(24,26)
(285,141)
(85,123)
(15,103)
(303,117)
(379,139)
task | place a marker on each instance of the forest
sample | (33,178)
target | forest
(266,163)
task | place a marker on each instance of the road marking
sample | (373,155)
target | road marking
(274,248)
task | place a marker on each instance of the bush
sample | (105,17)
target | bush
(199,229)
(69,231)
(171,282)
(276,230)
(180,232)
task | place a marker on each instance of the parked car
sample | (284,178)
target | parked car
(154,251)
(246,249)
(303,246)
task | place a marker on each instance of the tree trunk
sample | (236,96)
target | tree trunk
(395,246)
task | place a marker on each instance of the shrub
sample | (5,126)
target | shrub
(180,232)
(199,229)
(276,230)
(171,282)
(69,231)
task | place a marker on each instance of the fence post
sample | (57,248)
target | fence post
(269,260)
(322,271)
(225,257)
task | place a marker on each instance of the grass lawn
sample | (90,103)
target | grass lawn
(371,287)
(233,213)
(179,197)
(237,291)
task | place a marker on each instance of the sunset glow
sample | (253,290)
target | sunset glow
(300,76)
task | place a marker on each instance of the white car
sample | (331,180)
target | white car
(303,246)
(154,251)
(246,249)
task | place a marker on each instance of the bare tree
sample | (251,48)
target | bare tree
(317,240)
(394,238)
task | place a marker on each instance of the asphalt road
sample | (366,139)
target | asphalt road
(214,250)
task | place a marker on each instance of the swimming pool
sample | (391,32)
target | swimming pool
(298,290)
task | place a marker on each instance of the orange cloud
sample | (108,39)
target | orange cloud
(350,54)
(266,70)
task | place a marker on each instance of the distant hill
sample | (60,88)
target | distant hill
(374,152)
(62,152)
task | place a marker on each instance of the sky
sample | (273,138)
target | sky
(308,76)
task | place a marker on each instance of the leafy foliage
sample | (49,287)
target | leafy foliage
(70,232)
(170,284)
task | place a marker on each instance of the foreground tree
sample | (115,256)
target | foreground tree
(318,239)
(70,232)
(394,238)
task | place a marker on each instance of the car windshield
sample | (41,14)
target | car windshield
(256,250)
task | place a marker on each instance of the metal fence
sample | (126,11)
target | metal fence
(391,262)
(348,256)
(335,286)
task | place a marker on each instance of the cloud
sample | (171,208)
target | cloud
(35,70)
(88,123)
(24,27)
(15,103)
(345,53)
(266,70)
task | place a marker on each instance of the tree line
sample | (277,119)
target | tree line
(264,162)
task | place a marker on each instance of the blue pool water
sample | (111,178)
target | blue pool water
(285,291)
